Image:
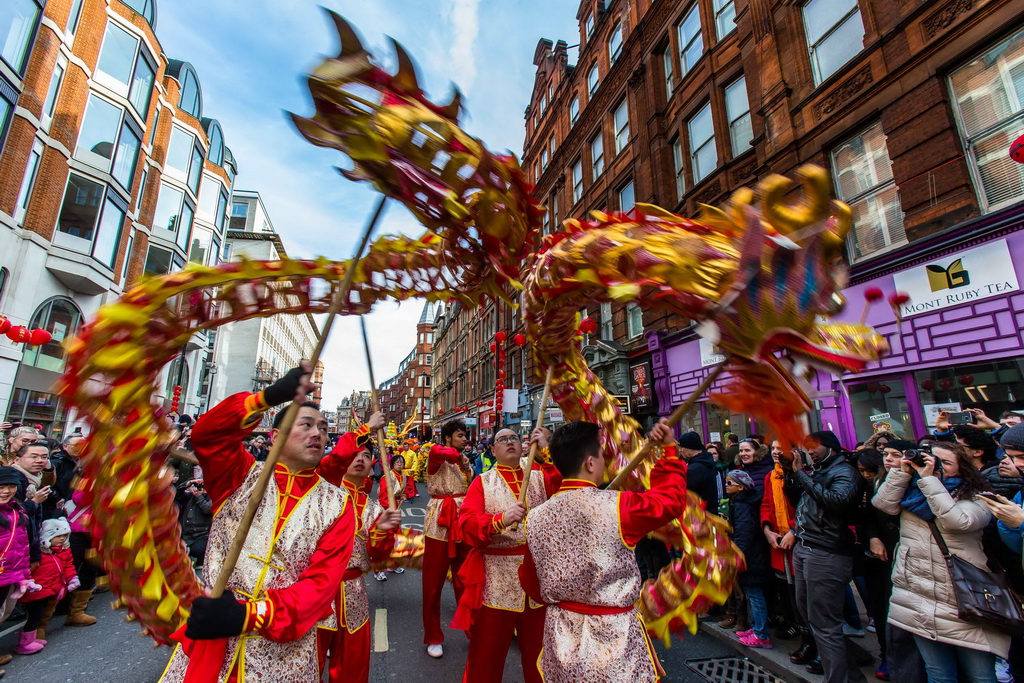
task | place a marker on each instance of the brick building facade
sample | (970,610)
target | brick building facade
(911,105)
(108,169)
(408,392)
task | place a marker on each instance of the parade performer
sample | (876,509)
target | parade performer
(493,601)
(396,473)
(448,477)
(427,442)
(580,560)
(349,442)
(349,465)
(263,628)
(411,457)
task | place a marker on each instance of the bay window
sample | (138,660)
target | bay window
(90,219)
(126,67)
(173,213)
(109,140)
(18,21)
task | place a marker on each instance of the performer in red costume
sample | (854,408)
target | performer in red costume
(580,560)
(349,465)
(348,443)
(448,475)
(397,475)
(277,611)
(493,601)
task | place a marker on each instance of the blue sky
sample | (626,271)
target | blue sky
(251,57)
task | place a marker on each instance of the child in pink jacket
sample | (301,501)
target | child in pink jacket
(56,577)
(16,577)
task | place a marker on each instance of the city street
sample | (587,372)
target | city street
(112,651)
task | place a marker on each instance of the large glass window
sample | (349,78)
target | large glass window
(200,251)
(222,210)
(158,261)
(615,44)
(634,320)
(574,110)
(606,321)
(168,208)
(597,154)
(738,111)
(18,20)
(6,112)
(994,387)
(93,215)
(179,152)
(239,214)
(577,181)
(627,197)
(725,17)
(863,175)
(107,136)
(185,226)
(216,153)
(61,318)
(191,99)
(703,154)
(989,105)
(29,181)
(677,161)
(691,42)
(195,171)
(50,103)
(117,58)
(835,34)
(621,120)
(593,80)
(209,197)
(142,84)
(74,15)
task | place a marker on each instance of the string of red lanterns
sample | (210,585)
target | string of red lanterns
(19,334)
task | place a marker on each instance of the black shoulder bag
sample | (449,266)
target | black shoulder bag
(982,597)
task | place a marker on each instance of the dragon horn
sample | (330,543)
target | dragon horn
(452,109)
(350,43)
(405,79)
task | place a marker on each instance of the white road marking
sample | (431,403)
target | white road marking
(11,629)
(380,630)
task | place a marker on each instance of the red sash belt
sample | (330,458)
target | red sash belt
(473,577)
(351,573)
(448,517)
(591,610)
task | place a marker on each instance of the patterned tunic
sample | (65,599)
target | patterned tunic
(447,483)
(355,606)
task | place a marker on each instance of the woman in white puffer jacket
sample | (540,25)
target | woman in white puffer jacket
(923,602)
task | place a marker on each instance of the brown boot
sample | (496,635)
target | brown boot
(51,605)
(76,611)
(728,622)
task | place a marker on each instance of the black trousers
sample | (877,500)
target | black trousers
(34,610)
(86,570)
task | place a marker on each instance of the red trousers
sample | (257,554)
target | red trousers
(350,655)
(492,637)
(436,564)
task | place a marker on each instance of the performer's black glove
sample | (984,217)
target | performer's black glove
(212,618)
(284,389)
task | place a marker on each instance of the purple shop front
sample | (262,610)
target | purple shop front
(959,345)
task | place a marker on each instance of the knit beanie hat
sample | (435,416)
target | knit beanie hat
(691,441)
(827,439)
(52,528)
(741,478)
(1014,438)
(900,445)
(8,476)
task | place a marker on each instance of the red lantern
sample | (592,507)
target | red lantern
(873,294)
(928,384)
(440,411)
(519,340)
(493,347)
(588,326)
(5,324)
(1017,150)
(490,404)
(946,384)
(479,403)
(884,388)
(966,379)
(501,374)
(39,337)
(18,334)
(500,337)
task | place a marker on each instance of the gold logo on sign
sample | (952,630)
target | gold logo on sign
(950,277)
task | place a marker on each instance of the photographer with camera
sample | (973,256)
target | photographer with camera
(825,496)
(196,519)
(940,487)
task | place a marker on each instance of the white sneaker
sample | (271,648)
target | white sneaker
(399,570)
(380,576)
(435,650)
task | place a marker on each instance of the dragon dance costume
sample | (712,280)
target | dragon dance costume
(493,601)
(580,562)
(444,551)
(291,564)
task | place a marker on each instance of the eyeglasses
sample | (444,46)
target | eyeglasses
(509,439)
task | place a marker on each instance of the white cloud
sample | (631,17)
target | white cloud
(465,25)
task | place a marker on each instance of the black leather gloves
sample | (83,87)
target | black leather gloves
(211,618)
(284,389)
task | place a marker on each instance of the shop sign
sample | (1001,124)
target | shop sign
(640,384)
(932,410)
(716,436)
(470,421)
(880,416)
(710,354)
(555,416)
(966,276)
(526,424)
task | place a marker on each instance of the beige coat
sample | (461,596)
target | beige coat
(922,597)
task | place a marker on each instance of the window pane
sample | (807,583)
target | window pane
(127,259)
(626,198)
(574,109)
(189,100)
(621,126)
(81,207)
(691,42)
(143,7)
(822,15)
(702,144)
(51,94)
(5,114)
(202,240)
(196,169)
(677,160)
(105,247)
(615,43)
(100,127)
(877,222)
(185,226)
(592,80)
(209,195)
(597,155)
(127,155)
(61,319)
(725,17)
(738,111)
(158,261)
(990,89)
(156,123)
(216,153)
(222,208)
(118,55)
(29,181)
(577,181)
(74,15)
(666,59)
(17,24)
(1001,177)
(168,207)
(862,163)
(179,152)
(142,86)
(841,46)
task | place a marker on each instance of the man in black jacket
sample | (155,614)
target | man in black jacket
(824,496)
(702,477)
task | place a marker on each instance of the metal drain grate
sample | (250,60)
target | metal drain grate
(731,670)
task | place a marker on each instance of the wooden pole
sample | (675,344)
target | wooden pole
(533,446)
(380,431)
(256,497)
(673,420)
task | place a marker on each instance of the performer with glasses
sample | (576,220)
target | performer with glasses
(493,601)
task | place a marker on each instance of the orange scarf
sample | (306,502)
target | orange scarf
(782,520)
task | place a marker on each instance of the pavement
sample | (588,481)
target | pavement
(113,651)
